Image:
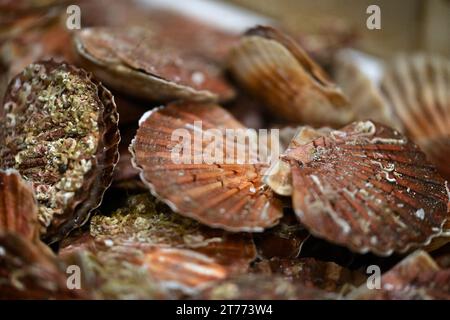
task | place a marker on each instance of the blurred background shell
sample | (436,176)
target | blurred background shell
(275,69)
(417,88)
(142,63)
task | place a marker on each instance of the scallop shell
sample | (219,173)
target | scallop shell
(28,271)
(227,196)
(365,96)
(418,90)
(138,62)
(274,68)
(67,152)
(18,206)
(39,43)
(368,188)
(115,273)
(416,277)
(263,287)
(142,223)
(278,176)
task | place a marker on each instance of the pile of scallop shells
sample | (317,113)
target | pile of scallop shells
(87,178)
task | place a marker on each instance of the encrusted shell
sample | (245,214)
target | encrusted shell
(368,188)
(18,206)
(417,277)
(177,252)
(142,223)
(276,69)
(418,90)
(230,196)
(58,128)
(138,62)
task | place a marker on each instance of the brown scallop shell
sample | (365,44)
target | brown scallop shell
(417,277)
(418,90)
(18,206)
(39,43)
(228,196)
(178,253)
(276,69)
(185,270)
(278,177)
(115,273)
(368,188)
(144,223)
(140,63)
(31,271)
(66,150)
(263,287)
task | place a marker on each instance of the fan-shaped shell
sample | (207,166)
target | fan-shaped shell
(418,90)
(138,62)
(18,206)
(228,195)
(276,69)
(368,188)
(58,128)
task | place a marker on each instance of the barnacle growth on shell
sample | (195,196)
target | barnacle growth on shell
(58,128)
(274,68)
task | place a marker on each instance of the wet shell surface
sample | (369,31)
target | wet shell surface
(229,195)
(275,69)
(416,277)
(367,187)
(138,62)
(418,90)
(58,128)
(18,206)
